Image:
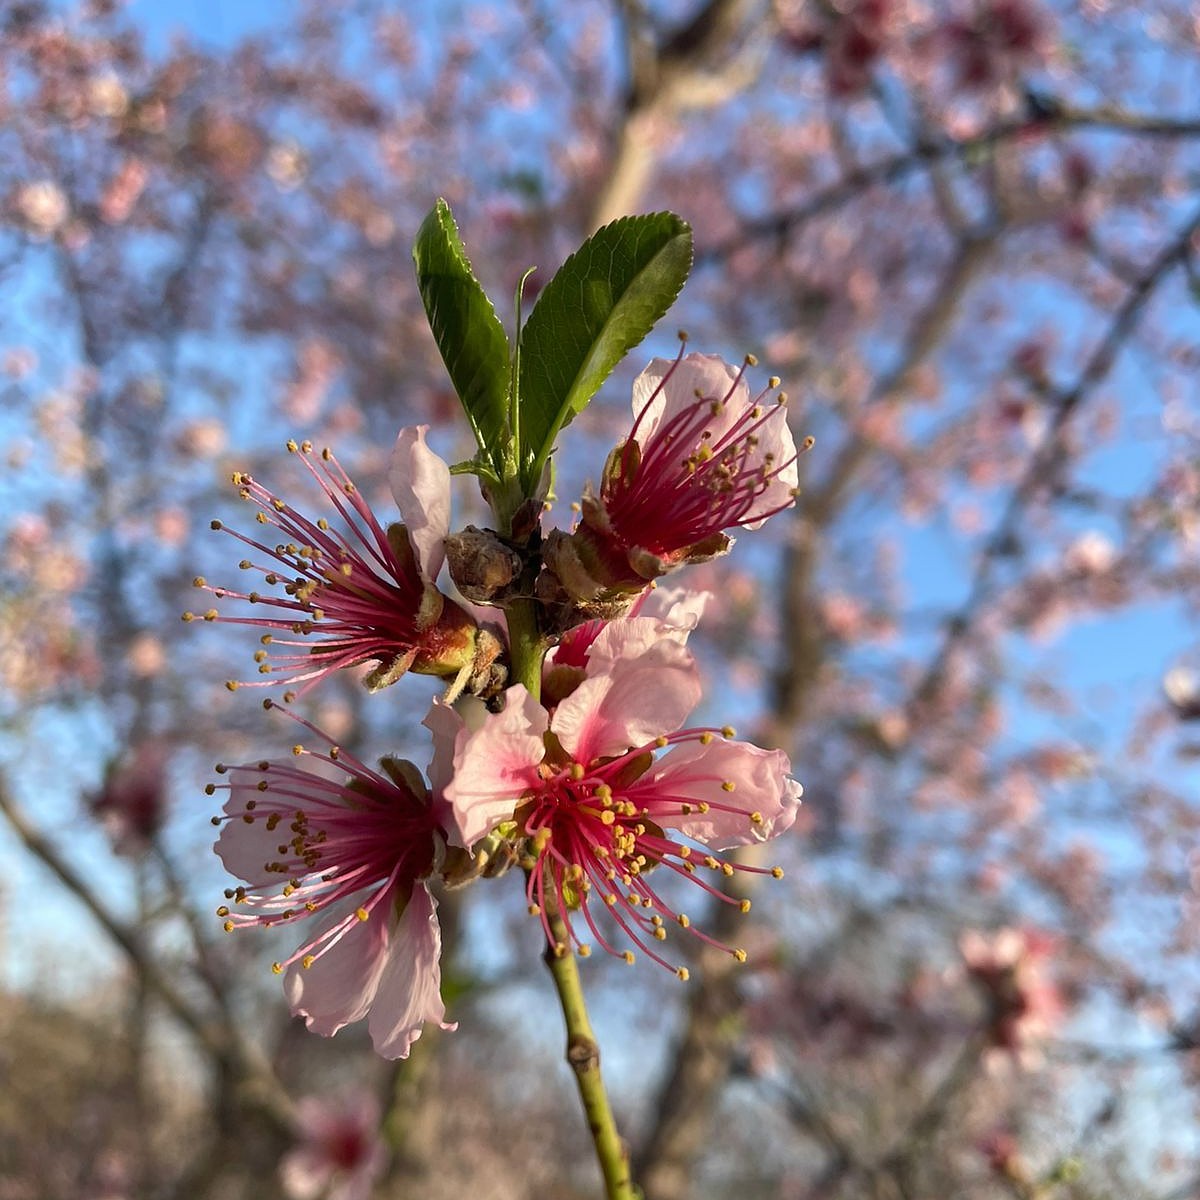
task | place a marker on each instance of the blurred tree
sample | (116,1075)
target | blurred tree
(966,235)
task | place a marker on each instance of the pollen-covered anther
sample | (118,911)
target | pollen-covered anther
(728,731)
(728,785)
(629,957)
(584,950)
(744,905)
(361,914)
(535,910)
(740,955)
(684,974)
(277,968)
(776,872)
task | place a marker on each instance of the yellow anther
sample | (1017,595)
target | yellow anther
(223,911)
(744,905)
(751,361)
(211,615)
(660,933)
(629,957)
(774,381)
(685,852)
(727,869)
(277,968)
(756,818)
(560,949)
(576,771)
(535,910)
(228,926)
(584,951)
(297,749)
(326,453)
(684,920)
(661,741)
(292,446)
(199,581)
(777,872)
(611,899)
(706,739)
(683,974)
(306,446)
(740,955)
(308,960)
(607,817)
(361,914)
(728,785)
(728,731)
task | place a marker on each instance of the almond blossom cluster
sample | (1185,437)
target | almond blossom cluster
(585,773)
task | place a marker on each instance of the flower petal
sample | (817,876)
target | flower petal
(340,986)
(627,701)
(495,764)
(247,846)
(694,773)
(677,607)
(707,374)
(420,482)
(410,987)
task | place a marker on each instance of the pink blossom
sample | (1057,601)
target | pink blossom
(356,851)
(596,805)
(365,595)
(703,456)
(340,1153)
(132,804)
(1024,1005)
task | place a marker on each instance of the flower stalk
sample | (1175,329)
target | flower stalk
(583,1052)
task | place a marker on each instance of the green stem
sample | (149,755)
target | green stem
(527,650)
(583,1055)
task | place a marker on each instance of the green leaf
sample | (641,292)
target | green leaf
(468,333)
(605,298)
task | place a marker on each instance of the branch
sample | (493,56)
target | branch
(691,68)
(932,151)
(263,1092)
(1049,453)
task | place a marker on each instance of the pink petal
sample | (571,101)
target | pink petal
(775,439)
(340,986)
(630,701)
(495,764)
(694,773)
(677,607)
(420,482)
(246,847)
(410,988)
(708,374)
(305,1173)
(444,723)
